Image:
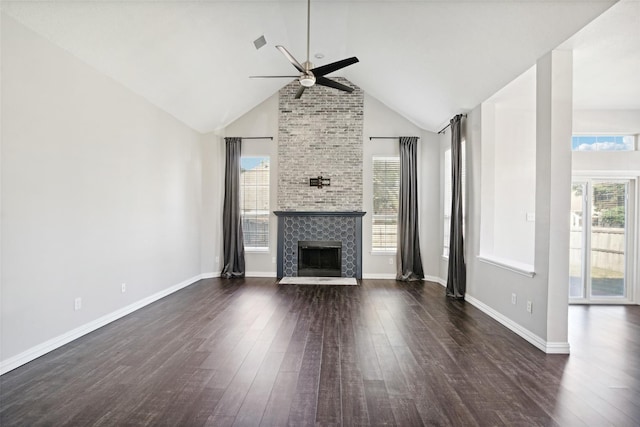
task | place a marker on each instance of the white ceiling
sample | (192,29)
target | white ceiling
(606,60)
(428,60)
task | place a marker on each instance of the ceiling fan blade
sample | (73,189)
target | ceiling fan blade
(291,59)
(334,66)
(273,77)
(300,92)
(323,81)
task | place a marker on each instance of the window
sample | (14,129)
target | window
(386,189)
(602,143)
(254,202)
(447,197)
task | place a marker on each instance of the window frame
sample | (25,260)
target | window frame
(386,249)
(266,214)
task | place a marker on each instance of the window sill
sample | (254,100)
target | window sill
(383,253)
(257,250)
(514,266)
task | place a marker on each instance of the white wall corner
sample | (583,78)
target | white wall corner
(57,342)
(554,112)
(541,344)
(210,275)
(436,279)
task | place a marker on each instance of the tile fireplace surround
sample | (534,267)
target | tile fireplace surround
(343,226)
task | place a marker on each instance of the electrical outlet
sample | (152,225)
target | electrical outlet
(77,304)
(531,217)
(217,259)
(123,288)
(390,261)
(529,307)
(514,299)
(273,260)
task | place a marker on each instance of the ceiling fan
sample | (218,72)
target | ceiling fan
(310,76)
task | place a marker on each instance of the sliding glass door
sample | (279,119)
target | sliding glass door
(601,243)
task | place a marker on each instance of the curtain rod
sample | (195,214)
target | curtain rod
(257,137)
(386,137)
(445,128)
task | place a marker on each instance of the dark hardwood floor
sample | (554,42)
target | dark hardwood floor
(250,352)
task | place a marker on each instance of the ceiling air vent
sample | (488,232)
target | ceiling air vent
(259,42)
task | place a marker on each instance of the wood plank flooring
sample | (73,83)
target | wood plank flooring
(252,353)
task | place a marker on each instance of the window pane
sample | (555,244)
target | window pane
(576,242)
(602,143)
(254,201)
(386,188)
(608,218)
(256,231)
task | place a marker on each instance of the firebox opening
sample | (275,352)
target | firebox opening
(319,258)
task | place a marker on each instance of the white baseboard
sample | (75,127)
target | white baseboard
(260,274)
(392,276)
(557,348)
(385,276)
(436,279)
(57,342)
(547,347)
(246,274)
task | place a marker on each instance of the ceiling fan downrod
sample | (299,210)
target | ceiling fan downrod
(310,76)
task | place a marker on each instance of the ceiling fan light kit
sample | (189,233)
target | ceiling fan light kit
(311,76)
(307,80)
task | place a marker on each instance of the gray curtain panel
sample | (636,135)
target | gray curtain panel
(233,242)
(409,262)
(457,277)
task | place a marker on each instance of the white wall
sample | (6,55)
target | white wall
(99,188)
(213,158)
(379,120)
(490,286)
(515,184)
(606,163)
(606,121)
(509,152)
(430,210)
(260,121)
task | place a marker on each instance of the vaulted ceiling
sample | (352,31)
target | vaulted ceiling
(427,60)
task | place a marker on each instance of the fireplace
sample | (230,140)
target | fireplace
(319,258)
(340,228)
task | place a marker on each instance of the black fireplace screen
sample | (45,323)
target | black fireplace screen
(319,258)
